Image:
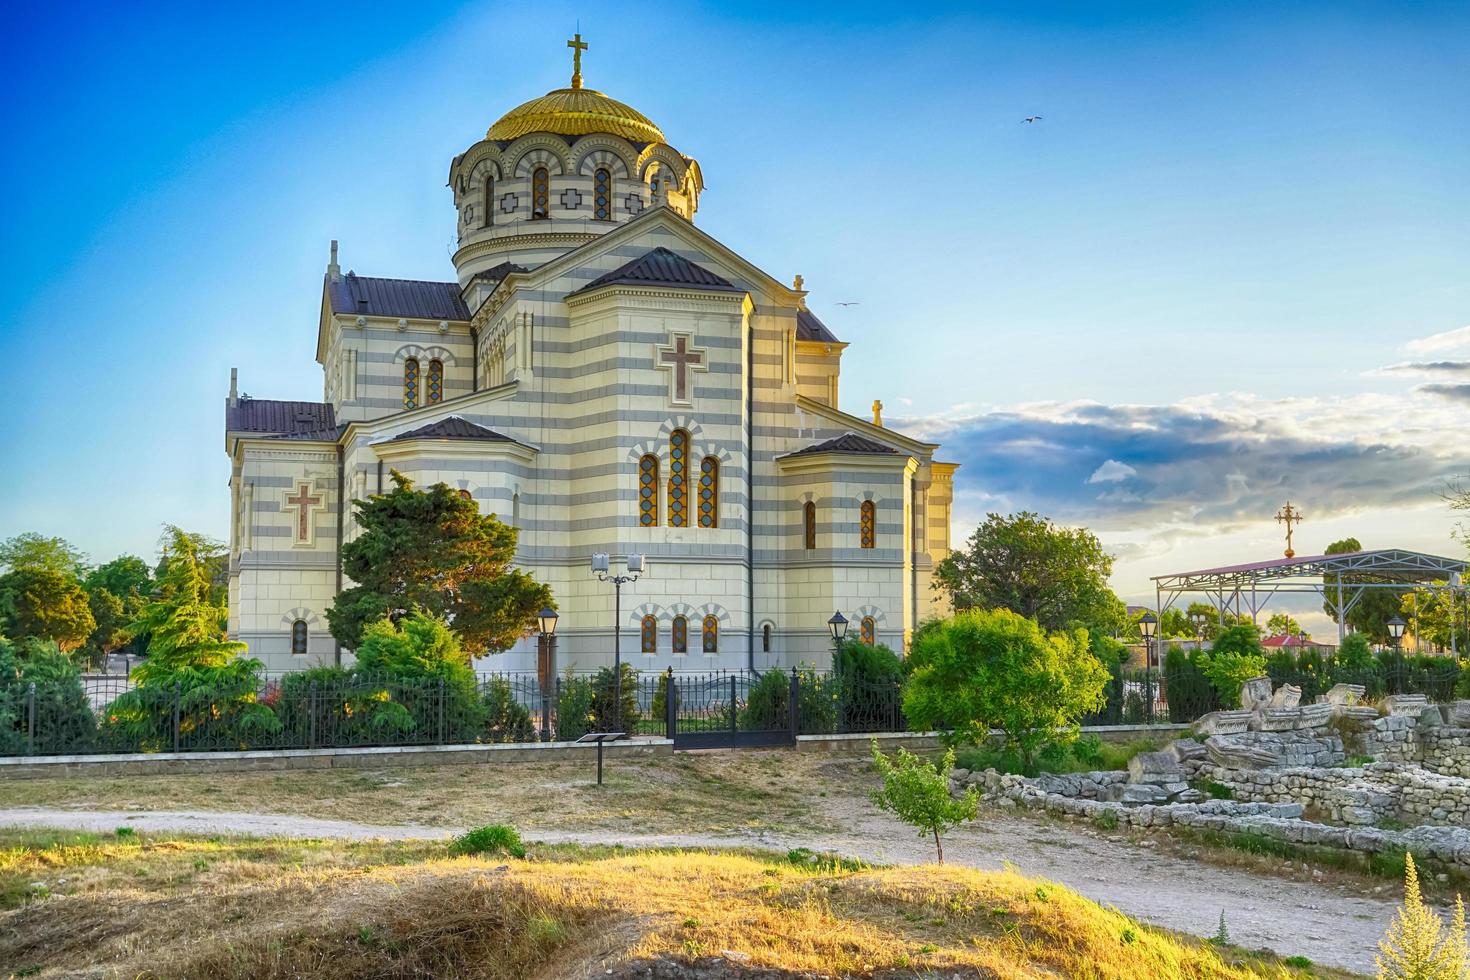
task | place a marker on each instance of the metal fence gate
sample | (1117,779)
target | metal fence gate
(729,710)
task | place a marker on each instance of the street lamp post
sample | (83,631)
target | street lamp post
(600,568)
(1198,618)
(1396,631)
(837,626)
(546,665)
(1148,625)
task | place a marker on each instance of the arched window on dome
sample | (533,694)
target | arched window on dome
(602,194)
(488,218)
(709,492)
(648,491)
(679,478)
(541,193)
(411,383)
(655,186)
(649,630)
(436,381)
(809,522)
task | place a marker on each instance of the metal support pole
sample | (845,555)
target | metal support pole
(795,706)
(442,733)
(617,668)
(31,720)
(311,716)
(176,716)
(732,704)
(599,762)
(671,706)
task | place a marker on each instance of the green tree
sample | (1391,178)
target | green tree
(185,623)
(996,669)
(433,550)
(917,792)
(1373,609)
(417,655)
(124,576)
(42,602)
(35,551)
(1435,617)
(113,623)
(1055,575)
(1282,624)
(128,580)
(1234,658)
(66,723)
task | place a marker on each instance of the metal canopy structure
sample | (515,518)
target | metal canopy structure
(1341,580)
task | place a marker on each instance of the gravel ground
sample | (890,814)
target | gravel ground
(1288,917)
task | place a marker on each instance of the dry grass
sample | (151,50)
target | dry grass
(277,909)
(715,792)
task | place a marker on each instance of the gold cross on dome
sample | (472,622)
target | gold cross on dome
(578,46)
(1289,516)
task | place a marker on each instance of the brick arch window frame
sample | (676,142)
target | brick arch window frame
(602,194)
(709,492)
(868,630)
(648,634)
(710,634)
(679,635)
(678,483)
(868,524)
(648,487)
(540,193)
(411,382)
(809,525)
(299,635)
(434,390)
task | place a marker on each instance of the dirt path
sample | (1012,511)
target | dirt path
(1288,917)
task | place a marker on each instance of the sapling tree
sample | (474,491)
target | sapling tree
(1417,945)
(917,792)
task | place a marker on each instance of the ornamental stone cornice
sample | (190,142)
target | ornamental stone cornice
(669,298)
(540,239)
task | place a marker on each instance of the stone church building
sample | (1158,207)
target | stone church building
(609,379)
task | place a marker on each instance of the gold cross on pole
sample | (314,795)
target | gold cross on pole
(578,46)
(1289,516)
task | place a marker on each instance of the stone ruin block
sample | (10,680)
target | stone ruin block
(1358,717)
(1245,750)
(1404,704)
(1154,768)
(1256,693)
(1286,696)
(1279,720)
(1345,694)
(1223,723)
(1459,714)
(1187,750)
(1316,715)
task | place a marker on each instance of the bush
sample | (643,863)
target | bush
(64,719)
(1235,658)
(1187,690)
(573,707)
(496,838)
(410,663)
(506,719)
(604,694)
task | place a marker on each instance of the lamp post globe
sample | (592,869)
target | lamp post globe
(547,618)
(1148,625)
(838,626)
(1396,630)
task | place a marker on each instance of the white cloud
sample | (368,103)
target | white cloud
(1111,471)
(1448,340)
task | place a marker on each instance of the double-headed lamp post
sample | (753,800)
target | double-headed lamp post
(1198,618)
(1396,631)
(837,626)
(601,568)
(546,665)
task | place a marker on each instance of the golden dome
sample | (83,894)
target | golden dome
(575,112)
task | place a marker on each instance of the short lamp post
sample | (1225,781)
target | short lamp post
(1148,625)
(837,626)
(1396,632)
(601,568)
(546,665)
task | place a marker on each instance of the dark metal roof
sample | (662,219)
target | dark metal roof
(328,434)
(396,297)
(808,327)
(499,272)
(278,417)
(452,427)
(662,267)
(850,443)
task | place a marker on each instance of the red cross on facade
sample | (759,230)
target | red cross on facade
(305,503)
(679,359)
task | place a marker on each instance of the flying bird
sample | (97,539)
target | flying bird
(853,303)
(1031,119)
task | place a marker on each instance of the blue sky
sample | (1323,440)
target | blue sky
(1160,311)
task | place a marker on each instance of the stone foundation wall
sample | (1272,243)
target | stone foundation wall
(1445,751)
(1392,739)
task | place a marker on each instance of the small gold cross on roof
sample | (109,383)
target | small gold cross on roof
(1289,516)
(578,46)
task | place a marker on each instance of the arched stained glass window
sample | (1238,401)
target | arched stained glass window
(766,638)
(465,494)
(541,193)
(648,491)
(711,634)
(809,519)
(411,383)
(681,635)
(649,629)
(868,530)
(678,478)
(436,381)
(869,630)
(489,218)
(709,492)
(602,195)
(298,637)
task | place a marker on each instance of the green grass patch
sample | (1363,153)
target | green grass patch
(495,838)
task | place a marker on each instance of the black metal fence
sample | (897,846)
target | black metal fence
(105,714)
